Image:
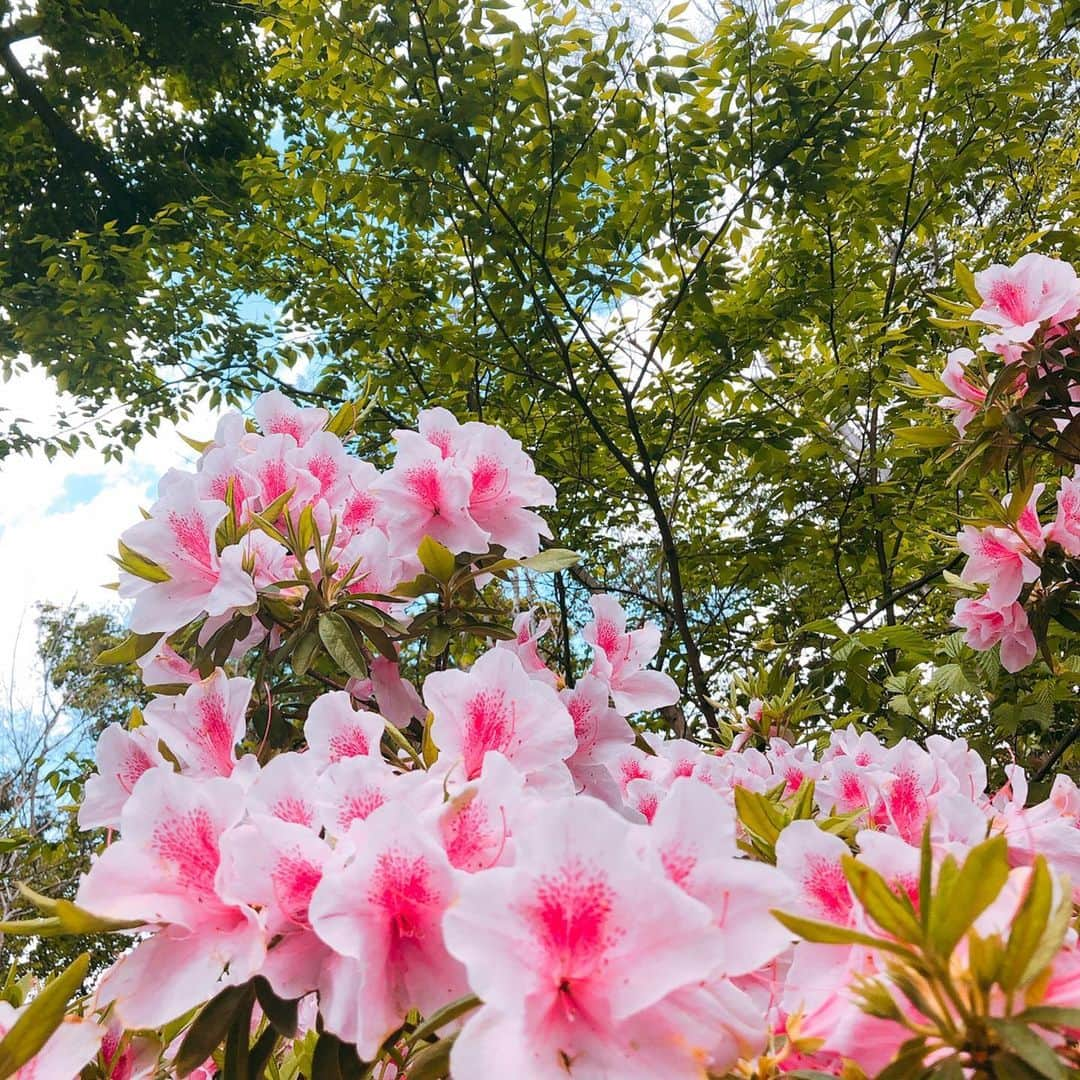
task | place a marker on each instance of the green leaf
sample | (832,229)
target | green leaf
(550,560)
(436,560)
(41,1018)
(984,958)
(139,565)
(963,898)
(1057,926)
(1051,1016)
(419,586)
(908,1063)
(209,1029)
(966,280)
(238,1039)
(200,446)
(444,1016)
(63,917)
(341,423)
(802,807)
(759,814)
(891,912)
(926,877)
(1028,927)
(826,933)
(925,436)
(1011,1067)
(304,652)
(129,650)
(1027,1046)
(261,1053)
(341,644)
(326,1061)
(431,1063)
(282,1014)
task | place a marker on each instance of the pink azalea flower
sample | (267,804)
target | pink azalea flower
(382,910)
(872,1043)
(360,504)
(324,457)
(263,558)
(222,467)
(710,1025)
(960,769)
(163,871)
(71,1046)
(631,764)
(496,706)
(619,659)
(277,415)
(526,645)
(1020,298)
(1063,986)
(376,569)
(441,428)
(353,788)
(703,862)
(504,483)
(568,946)
(275,866)
(138,1060)
(475,825)
(204,724)
(164,666)
(335,730)
(231,430)
(969,397)
(896,860)
(846,785)
(1066,527)
(397,698)
(996,558)
(601,734)
(180,537)
(425,494)
(1010,351)
(861,747)
(813,860)
(643,798)
(682,756)
(1050,828)
(986,625)
(287,788)
(903,791)
(1028,525)
(122,757)
(795,765)
(271,464)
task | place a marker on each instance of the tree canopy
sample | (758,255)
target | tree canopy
(688,259)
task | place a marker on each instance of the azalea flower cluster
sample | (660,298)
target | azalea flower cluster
(548,886)
(619,928)
(1032,308)
(207,546)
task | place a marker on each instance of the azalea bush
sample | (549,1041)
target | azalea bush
(1018,404)
(369,826)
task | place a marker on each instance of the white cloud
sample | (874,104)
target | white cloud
(59,520)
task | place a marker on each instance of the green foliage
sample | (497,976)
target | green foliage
(688,262)
(971,1008)
(42,1017)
